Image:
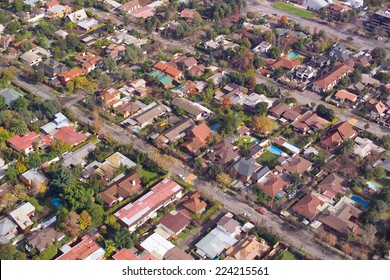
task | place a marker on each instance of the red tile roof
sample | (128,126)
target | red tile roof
(176,222)
(82,250)
(173,72)
(297,165)
(127,255)
(188,13)
(28,140)
(274,185)
(198,137)
(67,134)
(307,206)
(194,203)
(343,94)
(334,183)
(124,188)
(160,66)
(71,74)
(324,81)
(286,63)
(132,213)
(51,4)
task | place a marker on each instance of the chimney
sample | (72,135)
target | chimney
(133,182)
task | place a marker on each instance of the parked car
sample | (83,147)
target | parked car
(247,215)
(262,210)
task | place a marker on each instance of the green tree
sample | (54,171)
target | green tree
(347,147)
(26,46)
(261,108)
(109,64)
(112,222)
(274,52)
(214,170)
(109,248)
(123,239)
(97,213)
(258,62)
(284,255)
(19,126)
(324,112)
(85,220)
(9,252)
(379,55)
(20,104)
(39,75)
(3,105)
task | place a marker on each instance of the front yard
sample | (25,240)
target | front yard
(293,10)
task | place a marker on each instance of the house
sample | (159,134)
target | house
(286,63)
(36,14)
(263,47)
(194,110)
(148,115)
(376,107)
(165,80)
(305,73)
(364,147)
(231,93)
(249,248)
(26,143)
(127,39)
(138,83)
(223,153)
(278,110)
(78,157)
(157,246)
(6,190)
(67,134)
(174,73)
(121,189)
(315,4)
(59,121)
(222,237)
(143,12)
(86,249)
(177,254)
(8,230)
(128,109)
(78,16)
(386,164)
(296,164)
(130,6)
(364,60)
(318,61)
(107,168)
(52,67)
(51,4)
(41,239)
(115,51)
(194,204)
(332,185)
(341,218)
(188,14)
(197,138)
(184,62)
(197,70)
(138,212)
(88,24)
(62,34)
(308,207)
(292,115)
(250,101)
(339,53)
(34,178)
(70,75)
(58,11)
(89,61)
(345,96)
(273,184)
(22,215)
(337,135)
(110,97)
(10,95)
(220,42)
(31,58)
(177,131)
(328,81)
(310,122)
(244,169)
(5,41)
(128,255)
(173,223)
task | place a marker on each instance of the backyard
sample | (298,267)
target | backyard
(293,10)
(267,159)
(148,174)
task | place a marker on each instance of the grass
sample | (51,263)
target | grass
(384,182)
(293,10)
(244,142)
(148,174)
(266,158)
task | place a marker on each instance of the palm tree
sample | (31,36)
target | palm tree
(347,147)
(19,127)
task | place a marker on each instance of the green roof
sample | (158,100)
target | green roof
(156,73)
(165,80)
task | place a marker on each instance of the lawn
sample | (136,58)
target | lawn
(245,142)
(148,174)
(267,158)
(293,10)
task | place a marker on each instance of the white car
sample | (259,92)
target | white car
(247,215)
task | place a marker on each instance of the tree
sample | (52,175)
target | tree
(26,46)
(224,179)
(329,238)
(39,75)
(347,147)
(213,171)
(123,239)
(112,222)
(133,54)
(20,104)
(85,220)
(97,214)
(261,108)
(258,62)
(262,124)
(76,197)
(283,20)
(269,36)
(369,234)
(9,252)
(284,255)
(346,248)
(379,55)
(71,224)
(3,105)
(109,64)
(109,248)
(324,112)
(274,52)
(19,127)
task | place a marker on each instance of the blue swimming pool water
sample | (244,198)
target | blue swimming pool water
(137,130)
(360,200)
(373,186)
(275,150)
(215,126)
(292,55)
(56,202)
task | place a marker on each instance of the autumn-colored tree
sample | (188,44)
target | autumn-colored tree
(20,167)
(71,223)
(112,222)
(283,20)
(262,124)
(85,220)
(224,179)
(269,36)
(226,102)
(346,248)
(329,238)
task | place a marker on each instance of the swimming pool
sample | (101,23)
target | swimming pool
(137,131)
(275,150)
(360,200)
(373,186)
(55,201)
(215,126)
(292,55)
